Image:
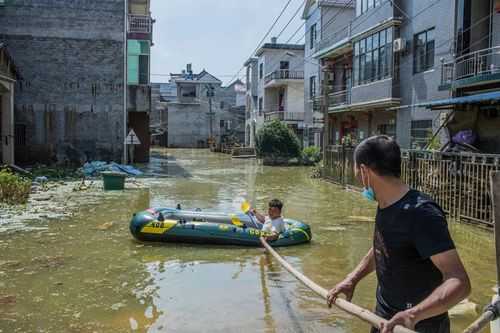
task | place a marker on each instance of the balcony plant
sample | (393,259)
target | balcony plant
(277,144)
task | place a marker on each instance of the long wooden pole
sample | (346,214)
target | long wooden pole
(489,315)
(349,307)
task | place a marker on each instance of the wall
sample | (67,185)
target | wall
(294,97)
(310,68)
(71,95)
(495,41)
(188,125)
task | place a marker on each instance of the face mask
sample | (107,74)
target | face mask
(368,193)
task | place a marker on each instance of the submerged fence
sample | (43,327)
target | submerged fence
(457,182)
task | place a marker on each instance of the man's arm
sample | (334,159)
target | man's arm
(347,286)
(261,218)
(455,287)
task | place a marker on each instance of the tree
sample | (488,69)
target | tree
(276,141)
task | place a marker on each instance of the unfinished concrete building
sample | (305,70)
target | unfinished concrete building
(69,104)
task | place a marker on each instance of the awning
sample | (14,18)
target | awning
(484,98)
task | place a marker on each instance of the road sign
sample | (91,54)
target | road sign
(132,138)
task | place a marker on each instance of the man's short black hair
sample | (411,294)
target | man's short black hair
(380,153)
(276,203)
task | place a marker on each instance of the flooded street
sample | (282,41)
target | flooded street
(87,274)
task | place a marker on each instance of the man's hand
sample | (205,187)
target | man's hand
(403,318)
(345,287)
(272,237)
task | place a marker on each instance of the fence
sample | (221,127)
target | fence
(459,183)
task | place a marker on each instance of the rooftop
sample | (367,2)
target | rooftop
(279,46)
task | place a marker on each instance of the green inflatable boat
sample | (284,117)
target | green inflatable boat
(183,226)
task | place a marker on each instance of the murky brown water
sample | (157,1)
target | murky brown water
(74,277)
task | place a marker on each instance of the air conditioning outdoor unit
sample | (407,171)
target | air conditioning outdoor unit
(399,45)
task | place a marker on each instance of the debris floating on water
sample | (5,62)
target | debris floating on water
(361,218)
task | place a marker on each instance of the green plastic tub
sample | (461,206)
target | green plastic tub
(113,181)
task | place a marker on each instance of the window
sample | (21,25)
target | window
(138,61)
(423,55)
(373,57)
(312,87)
(312,36)
(222,104)
(222,123)
(362,6)
(421,131)
(261,101)
(261,71)
(188,90)
(284,65)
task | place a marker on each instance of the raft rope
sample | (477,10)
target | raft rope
(349,307)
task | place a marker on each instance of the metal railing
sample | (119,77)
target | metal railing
(284,74)
(284,116)
(339,98)
(459,183)
(140,24)
(486,61)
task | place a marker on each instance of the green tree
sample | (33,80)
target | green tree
(276,141)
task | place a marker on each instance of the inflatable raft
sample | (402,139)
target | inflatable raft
(183,226)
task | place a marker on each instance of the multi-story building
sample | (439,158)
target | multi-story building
(322,19)
(471,76)
(139,41)
(70,104)
(203,111)
(279,73)
(380,67)
(252,117)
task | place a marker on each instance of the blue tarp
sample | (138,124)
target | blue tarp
(473,99)
(96,167)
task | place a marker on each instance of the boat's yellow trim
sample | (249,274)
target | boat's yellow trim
(302,231)
(157,227)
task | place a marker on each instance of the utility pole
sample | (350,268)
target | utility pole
(210,95)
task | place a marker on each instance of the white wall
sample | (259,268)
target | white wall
(295,97)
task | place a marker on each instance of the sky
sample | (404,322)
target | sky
(216,35)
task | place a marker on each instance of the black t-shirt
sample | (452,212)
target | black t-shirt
(407,234)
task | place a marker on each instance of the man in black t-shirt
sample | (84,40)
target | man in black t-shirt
(420,275)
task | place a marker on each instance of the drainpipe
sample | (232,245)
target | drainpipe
(125,26)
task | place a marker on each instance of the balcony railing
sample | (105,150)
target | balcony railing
(482,62)
(284,116)
(284,74)
(140,24)
(339,98)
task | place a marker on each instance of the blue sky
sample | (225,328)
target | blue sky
(218,35)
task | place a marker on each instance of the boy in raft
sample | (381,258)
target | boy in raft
(419,273)
(273,223)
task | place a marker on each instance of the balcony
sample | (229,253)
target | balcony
(479,67)
(281,76)
(140,24)
(284,116)
(339,98)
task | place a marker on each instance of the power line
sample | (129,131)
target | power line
(291,19)
(265,36)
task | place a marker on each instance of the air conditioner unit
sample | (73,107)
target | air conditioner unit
(399,45)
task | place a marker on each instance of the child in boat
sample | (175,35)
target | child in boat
(273,223)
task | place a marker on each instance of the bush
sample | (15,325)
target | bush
(311,155)
(13,189)
(277,142)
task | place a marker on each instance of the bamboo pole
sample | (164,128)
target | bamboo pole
(489,314)
(349,307)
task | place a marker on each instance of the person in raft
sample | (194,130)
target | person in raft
(273,223)
(419,272)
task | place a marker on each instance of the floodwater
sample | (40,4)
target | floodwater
(87,274)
